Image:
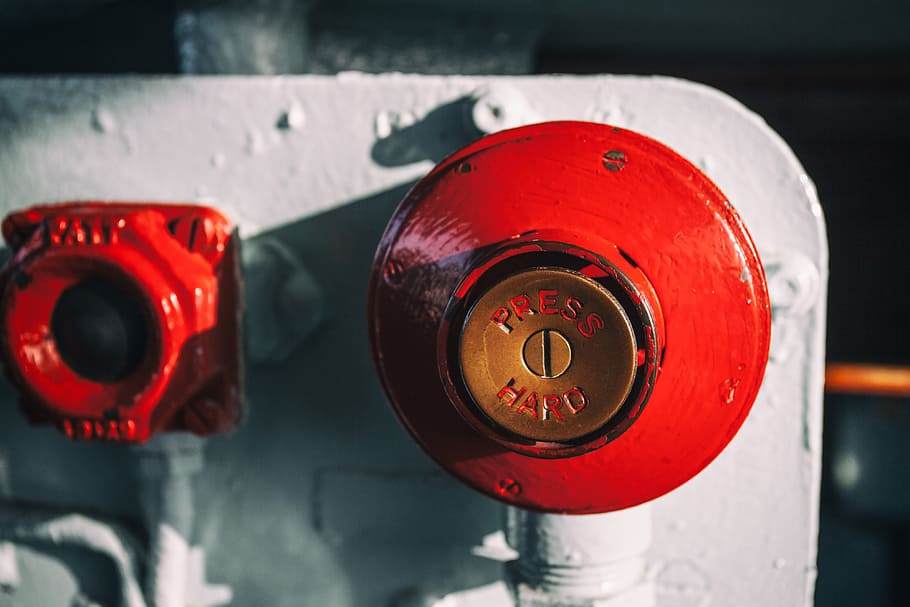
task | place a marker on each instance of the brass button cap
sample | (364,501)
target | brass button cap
(548,354)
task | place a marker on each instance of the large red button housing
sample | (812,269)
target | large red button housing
(482,300)
(123,320)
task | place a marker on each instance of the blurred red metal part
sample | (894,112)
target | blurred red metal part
(181,263)
(593,186)
(859,378)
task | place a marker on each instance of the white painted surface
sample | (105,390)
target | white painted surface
(741,533)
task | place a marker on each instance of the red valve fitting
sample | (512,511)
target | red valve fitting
(569,317)
(122,320)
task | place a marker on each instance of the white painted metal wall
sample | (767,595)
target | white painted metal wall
(321,498)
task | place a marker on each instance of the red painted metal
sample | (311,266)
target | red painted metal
(637,206)
(180,262)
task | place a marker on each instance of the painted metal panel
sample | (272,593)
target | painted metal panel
(319,164)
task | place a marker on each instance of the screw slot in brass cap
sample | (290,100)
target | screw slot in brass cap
(548,354)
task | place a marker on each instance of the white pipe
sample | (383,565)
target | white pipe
(27,522)
(167,464)
(169,554)
(9,568)
(565,558)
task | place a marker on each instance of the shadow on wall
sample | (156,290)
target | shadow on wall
(321,497)
(434,136)
(322,491)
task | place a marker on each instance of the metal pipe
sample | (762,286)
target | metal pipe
(878,380)
(29,522)
(167,464)
(595,559)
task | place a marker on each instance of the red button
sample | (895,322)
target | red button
(623,210)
